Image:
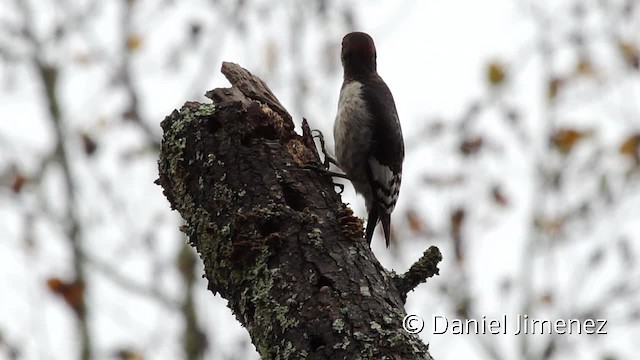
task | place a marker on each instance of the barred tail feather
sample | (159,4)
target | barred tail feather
(371,223)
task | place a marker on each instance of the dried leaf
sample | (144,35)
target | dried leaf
(56,285)
(134,41)
(499,197)
(565,139)
(553,87)
(131,114)
(631,147)
(415,222)
(471,145)
(19,180)
(584,67)
(546,298)
(496,74)
(463,307)
(457,219)
(630,53)
(72,292)
(550,226)
(128,354)
(89,144)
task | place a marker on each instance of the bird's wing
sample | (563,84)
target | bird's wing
(386,154)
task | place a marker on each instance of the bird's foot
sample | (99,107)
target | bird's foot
(326,172)
(328,159)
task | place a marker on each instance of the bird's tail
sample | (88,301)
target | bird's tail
(386,226)
(374,217)
(371,223)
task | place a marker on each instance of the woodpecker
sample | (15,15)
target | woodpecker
(368,139)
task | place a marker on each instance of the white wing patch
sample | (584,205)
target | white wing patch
(387,183)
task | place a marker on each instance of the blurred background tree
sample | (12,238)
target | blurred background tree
(522,124)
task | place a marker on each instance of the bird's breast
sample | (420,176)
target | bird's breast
(352,130)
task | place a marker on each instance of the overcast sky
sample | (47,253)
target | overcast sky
(432,54)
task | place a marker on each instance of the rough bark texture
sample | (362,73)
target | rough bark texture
(275,238)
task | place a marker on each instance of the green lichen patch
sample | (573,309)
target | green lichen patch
(338,325)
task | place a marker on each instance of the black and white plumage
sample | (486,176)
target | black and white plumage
(368,138)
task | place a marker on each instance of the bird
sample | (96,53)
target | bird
(369,147)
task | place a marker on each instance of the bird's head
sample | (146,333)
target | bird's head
(358,55)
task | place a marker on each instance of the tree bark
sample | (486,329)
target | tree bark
(275,238)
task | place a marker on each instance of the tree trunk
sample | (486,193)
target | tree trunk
(274,236)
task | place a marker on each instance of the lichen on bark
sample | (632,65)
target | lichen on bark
(275,239)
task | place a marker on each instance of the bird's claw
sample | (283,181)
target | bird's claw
(328,159)
(328,173)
